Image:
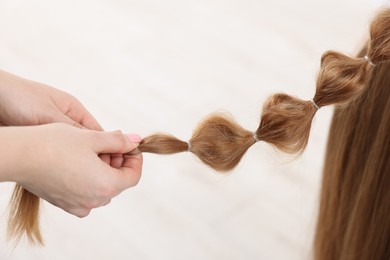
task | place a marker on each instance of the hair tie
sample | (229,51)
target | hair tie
(255,137)
(189,146)
(369,60)
(314,103)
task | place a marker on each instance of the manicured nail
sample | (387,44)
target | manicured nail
(134,138)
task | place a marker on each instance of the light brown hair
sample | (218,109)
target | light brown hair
(285,122)
(354,214)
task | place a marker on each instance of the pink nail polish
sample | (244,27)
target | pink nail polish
(135,138)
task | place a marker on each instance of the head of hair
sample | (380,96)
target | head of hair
(285,121)
(354,214)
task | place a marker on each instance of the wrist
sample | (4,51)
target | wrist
(3,83)
(15,151)
(7,86)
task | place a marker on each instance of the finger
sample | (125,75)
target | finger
(130,172)
(116,160)
(112,142)
(2,124)
(80,114)
(135,138)
(105,158)
(90,122)
(62,118)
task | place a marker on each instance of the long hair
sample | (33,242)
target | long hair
(354,214)
(285,122)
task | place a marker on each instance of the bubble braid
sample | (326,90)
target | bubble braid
(285,121)
(220,142)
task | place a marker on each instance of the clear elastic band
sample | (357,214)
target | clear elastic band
(314,103)
(255,137)
(189,146)
(369,61)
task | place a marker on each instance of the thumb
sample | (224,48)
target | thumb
(113,142)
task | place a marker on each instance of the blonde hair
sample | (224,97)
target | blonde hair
(285,122)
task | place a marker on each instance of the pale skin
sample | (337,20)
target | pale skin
(54,148)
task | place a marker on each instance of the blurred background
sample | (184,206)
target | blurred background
(147,66)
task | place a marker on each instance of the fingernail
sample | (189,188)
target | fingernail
(134,138)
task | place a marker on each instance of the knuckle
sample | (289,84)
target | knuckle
(72,100)
(94,203)
(106,202)
(136,180)
(82,213)
(75,124)
(105,190)
(89,204)
(137,177)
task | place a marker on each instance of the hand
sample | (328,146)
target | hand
(60,164)
(24,102)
